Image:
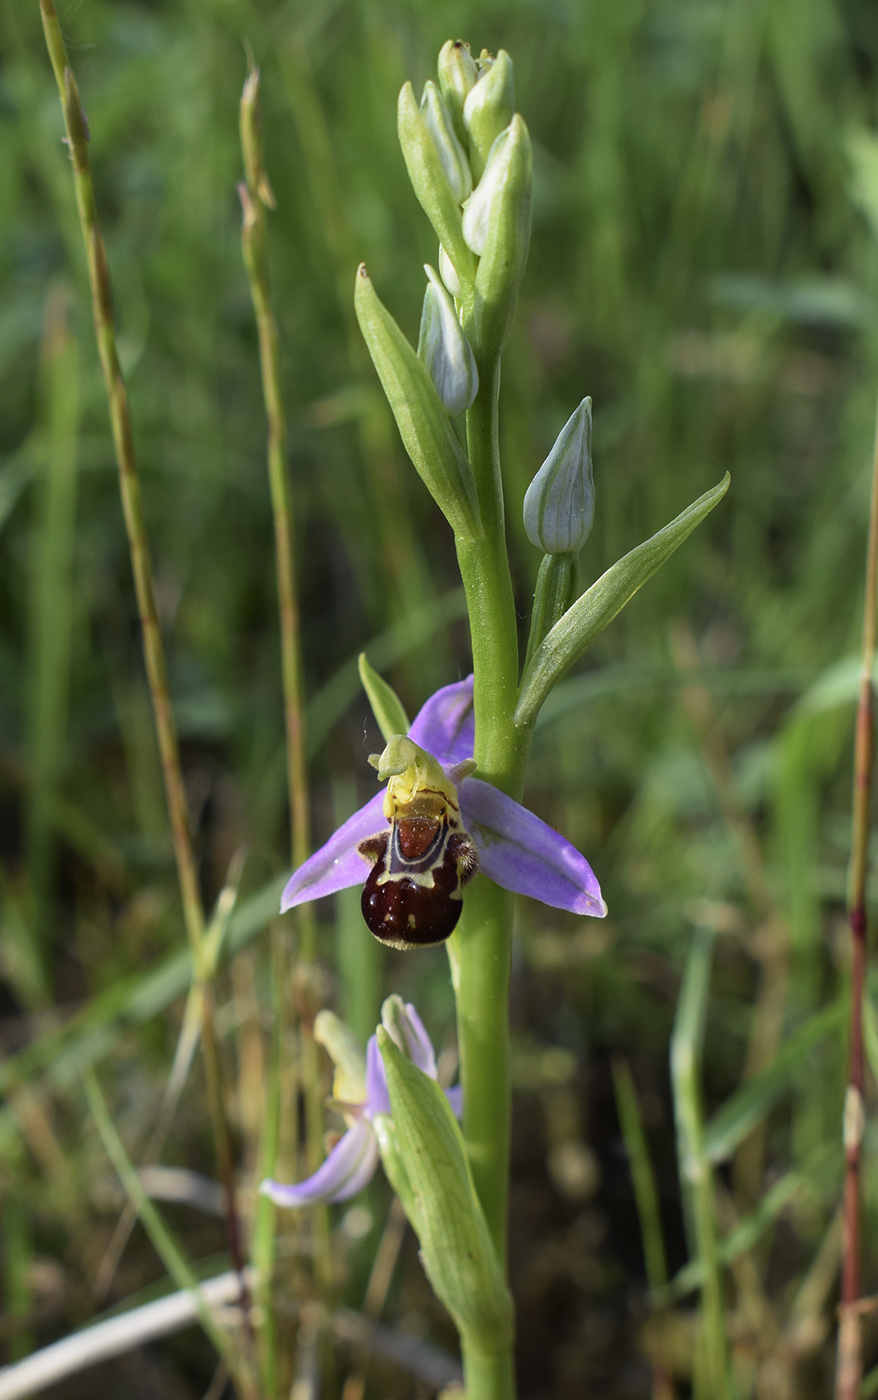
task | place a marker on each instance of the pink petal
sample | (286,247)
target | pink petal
(445,725)
(418,1045)
(337,864)
(377,1095)
(346,1170)
(522,853)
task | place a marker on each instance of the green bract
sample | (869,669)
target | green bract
(451,152)
(496,225)
(597,607)
(390,717)
(442,1205)
(424,426)
(430,183)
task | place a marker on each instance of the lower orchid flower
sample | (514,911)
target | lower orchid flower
(359,1094)
(432,829)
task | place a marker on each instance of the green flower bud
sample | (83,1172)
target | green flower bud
(445,350)
(559,504)
(457,77)
(488,109)
(430,182)
(451,152)
(496,226)
(448,274)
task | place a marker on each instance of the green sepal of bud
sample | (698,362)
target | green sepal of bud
(488,110)
(448,274)
(456,1247)
(424,426)
(557,588)
(559,503)
(445,350)
(430,183)
(387,707)
(343,1048)
(451,152)
(496,225)
(457,77)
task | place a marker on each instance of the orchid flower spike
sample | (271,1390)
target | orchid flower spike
(426,835)
(360,1094)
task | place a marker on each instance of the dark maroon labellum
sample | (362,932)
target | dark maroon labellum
(413,894)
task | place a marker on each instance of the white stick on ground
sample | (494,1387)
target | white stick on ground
(114,1337)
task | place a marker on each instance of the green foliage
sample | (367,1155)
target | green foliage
(703,265)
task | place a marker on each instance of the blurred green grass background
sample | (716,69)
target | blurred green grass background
(704,265)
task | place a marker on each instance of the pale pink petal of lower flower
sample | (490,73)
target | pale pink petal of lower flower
(346,1170)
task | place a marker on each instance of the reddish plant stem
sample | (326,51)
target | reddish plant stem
(850,1362)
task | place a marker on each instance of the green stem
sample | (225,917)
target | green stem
(501,749)
(488,1375)
(480,949)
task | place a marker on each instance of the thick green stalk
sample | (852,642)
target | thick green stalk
(501,749)
(488,1375)
(480,950)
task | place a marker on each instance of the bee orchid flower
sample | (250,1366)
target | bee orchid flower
(360,1094)
(435,825)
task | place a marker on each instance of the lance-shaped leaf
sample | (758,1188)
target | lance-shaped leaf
(430,183)
(387,708)
(590,614)
(444,1210)
(424,425)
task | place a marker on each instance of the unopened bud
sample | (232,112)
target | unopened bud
(451,152)
(448,273)
(457,78)
(496,225)
(482,210)
(559,504)
(406,1030)
(445,350)
(488,109)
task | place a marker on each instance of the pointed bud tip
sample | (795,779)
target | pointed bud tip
(559,504)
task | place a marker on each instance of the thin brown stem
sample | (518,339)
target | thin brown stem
(850,1362)
(256,196)
(153,646)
